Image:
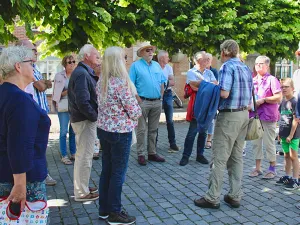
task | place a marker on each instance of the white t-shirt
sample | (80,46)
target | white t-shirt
(168,71)
(296,79)
(30,90)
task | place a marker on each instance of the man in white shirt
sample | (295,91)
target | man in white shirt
(163,60)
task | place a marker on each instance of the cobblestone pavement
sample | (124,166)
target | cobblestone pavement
(163,193)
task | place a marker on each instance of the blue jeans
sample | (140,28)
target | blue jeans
(115,156)
(168,108)
(64,120)
(189,140)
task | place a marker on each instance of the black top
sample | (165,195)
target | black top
(24,131)
(82,95)
(215,72)
(287,110)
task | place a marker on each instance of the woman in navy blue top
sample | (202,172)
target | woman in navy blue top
(24,131)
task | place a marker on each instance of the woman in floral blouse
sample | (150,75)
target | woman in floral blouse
(118,113)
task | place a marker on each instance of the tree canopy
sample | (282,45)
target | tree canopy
(270,27)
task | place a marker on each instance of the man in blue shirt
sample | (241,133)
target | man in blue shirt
(148,78)
(231,128)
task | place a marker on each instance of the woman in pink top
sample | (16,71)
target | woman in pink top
(118,113)
(268,94)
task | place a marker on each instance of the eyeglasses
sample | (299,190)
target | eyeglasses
(70,62)
(259,64)
(149,50)
(283,87)
(31,62)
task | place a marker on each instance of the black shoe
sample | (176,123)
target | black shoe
(184,161)
(120,218)
(202,159)
(201,202)
(292,185)
(174,148)
(283,180)
(230,201)
(103,215)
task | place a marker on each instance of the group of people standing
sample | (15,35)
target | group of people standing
(102,98)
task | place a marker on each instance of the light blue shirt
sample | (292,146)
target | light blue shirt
(193,75)
(147,78)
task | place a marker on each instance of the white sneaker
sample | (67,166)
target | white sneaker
(50,181)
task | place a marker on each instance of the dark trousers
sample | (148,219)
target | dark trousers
(189,140)
(115,155)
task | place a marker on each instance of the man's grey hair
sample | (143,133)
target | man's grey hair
(12,55)
(230,48)
(161,53)
(198,55)
(208,55)
(86,49)
(265,58)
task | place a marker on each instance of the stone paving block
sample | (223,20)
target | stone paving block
(185,222)
(202,222)
(210,218)
(153,220)
(165,205)
(163,215)
(179,217)
(148,214)
(84,220)
(255,219)
(169,221)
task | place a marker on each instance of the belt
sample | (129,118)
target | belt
(234,110)
(149,99)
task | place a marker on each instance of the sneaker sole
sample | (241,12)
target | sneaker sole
(291,189)
(103,217)
(118,223)
(85,199)
(172,151)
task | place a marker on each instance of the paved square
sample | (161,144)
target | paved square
(163,193)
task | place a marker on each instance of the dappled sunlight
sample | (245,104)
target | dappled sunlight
(57,203)
(265,189)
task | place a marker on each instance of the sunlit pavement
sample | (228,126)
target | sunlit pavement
(163,193)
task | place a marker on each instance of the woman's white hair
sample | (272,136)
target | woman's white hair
(86,49)
(265,58)
(12,55)
(113,65)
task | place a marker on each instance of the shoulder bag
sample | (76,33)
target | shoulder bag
(255,129)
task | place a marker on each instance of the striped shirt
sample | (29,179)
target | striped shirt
(236,78)
(40,96)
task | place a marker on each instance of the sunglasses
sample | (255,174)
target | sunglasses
(31,62)
(70,62)
(149,50)
(284,87)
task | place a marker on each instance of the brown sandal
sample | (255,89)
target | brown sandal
(65,160)
(72,157)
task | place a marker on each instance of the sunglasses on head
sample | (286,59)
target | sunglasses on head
(70,62)
(149,50)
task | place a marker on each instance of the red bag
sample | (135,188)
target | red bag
(188,91)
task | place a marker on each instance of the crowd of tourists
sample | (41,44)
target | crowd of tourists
(101,99)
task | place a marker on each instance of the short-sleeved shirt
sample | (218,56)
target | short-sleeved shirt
(168,71)
(40,96)
(236,78)
(287,111)
(194,74)
(147,78)
(264,87)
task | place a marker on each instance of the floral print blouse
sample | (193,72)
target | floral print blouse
(120,112)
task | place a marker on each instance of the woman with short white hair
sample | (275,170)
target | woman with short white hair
(24,130)
(118,113)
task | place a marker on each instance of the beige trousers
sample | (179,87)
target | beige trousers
(151,111)
(227,150)
(268,140)
(85,133)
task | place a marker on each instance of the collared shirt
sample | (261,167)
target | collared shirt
(40,96)
(194,74)
(90,70)
(168,71)
(147,78)
(236,78)
(265,87)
